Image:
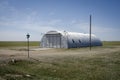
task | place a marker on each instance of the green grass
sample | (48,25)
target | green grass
(37,43)
(111,43)
(97,67)
(18,43)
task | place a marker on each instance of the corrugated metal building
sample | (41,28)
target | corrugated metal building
(63,39)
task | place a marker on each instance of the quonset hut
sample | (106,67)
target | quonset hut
(63,39)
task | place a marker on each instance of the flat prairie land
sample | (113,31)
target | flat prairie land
(101,63)
(18,43)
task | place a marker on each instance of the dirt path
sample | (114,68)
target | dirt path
(49,54)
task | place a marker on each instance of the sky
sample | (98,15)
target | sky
(36,17)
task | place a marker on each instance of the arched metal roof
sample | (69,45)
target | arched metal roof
(71,39)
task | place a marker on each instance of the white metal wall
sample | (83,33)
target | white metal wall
(57,39)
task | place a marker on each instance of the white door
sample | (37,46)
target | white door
(54,40)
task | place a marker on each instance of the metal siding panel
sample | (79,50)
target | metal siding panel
(59,39)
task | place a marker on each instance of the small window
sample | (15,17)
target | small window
(79,41)
(73,41)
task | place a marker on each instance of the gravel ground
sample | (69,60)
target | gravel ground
(36,53)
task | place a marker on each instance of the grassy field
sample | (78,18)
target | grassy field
(111,43)
(37,43)
(95,67)
(104,67)
(18,43)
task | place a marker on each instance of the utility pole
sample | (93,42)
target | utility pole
(66,34)
(28,36)
(90,32)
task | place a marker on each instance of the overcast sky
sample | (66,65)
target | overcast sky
(36,17)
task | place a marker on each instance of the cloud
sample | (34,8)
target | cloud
(54,22)
(7,35)
(107,33)
(103,32)
(51,13)
(29,20)
(15,24)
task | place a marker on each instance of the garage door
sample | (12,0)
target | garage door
(54,40)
